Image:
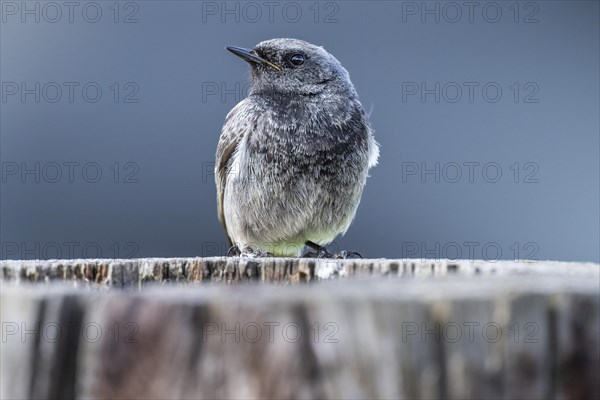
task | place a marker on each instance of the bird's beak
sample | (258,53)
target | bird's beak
(250,56)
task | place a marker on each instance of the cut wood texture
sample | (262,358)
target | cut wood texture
(137,273)
(204,328)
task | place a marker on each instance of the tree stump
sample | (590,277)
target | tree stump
(259,328)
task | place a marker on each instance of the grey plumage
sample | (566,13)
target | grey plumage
(293,156)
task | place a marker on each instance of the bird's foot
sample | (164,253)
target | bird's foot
(248,252)
(347,254)
(319,254)
(234,251)
(322,252)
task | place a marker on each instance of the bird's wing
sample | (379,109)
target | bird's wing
(233,131)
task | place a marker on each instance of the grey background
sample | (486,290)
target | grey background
(174,53)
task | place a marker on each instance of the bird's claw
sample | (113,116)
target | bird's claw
(234,251)
(319,254)
(248,252)
(322,252)
(347,254)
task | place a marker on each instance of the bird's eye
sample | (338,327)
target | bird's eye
(297,59)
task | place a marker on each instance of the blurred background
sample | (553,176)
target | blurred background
(487,114)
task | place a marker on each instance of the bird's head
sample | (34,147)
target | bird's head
(294,67)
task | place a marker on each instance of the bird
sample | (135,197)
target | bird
(294,155)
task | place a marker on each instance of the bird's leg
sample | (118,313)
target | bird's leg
(319,251)
(322,252)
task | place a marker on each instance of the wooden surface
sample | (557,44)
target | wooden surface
(411,329)
(141,272)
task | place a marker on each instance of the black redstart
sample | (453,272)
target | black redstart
(293,156)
